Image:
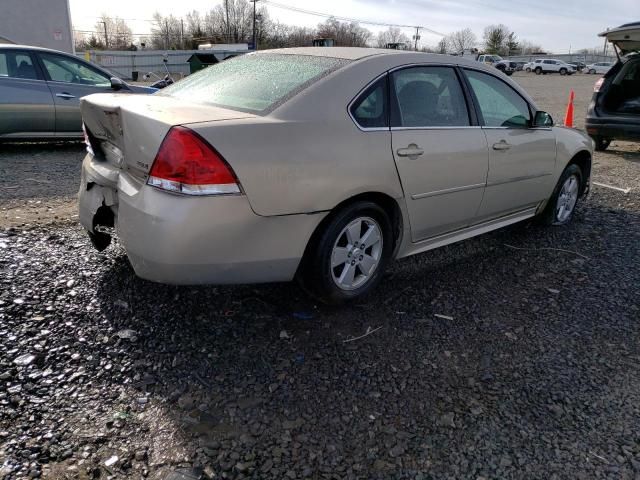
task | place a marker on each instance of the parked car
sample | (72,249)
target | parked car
(578,66)
(40,91)
(489,59)
(519,66)
(551,65)
(614,111)
(528,67)
(599,67)
(358,157)
(506,67)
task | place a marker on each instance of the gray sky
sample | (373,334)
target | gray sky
(557,25)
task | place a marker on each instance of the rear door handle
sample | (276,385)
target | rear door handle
(501,145)
(413,151)
(66,96)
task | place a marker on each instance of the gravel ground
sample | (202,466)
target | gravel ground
(462,375)
(551,93)
(39,182)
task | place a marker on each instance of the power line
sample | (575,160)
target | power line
(297,10)
(120,18)
(347,19)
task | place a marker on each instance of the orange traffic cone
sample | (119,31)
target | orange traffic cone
(568,117)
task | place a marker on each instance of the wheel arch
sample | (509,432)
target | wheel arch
(389,204)
(583,160)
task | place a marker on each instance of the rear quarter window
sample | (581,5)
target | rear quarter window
(255,83)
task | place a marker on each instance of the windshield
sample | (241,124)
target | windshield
(254,83)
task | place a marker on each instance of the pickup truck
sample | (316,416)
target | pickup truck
(505,66)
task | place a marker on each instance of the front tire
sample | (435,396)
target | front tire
(347,258)
(562,203)
(563,71)
(528,70)
(592,71)
(538,70)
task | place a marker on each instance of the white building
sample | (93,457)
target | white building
(42,23)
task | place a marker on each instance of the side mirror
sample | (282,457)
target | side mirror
(116,84)
(542,119)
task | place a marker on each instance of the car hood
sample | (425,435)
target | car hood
(625,37)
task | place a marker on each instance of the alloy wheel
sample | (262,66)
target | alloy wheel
(567,199)
(356,253)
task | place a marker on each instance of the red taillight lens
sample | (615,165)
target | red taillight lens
(187,164)
(596,87)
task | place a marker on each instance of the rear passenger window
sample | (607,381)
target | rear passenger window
(371,110)
(17,65)
(428,97)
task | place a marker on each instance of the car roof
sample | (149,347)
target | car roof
(361,53)
(347,53)
(11,46)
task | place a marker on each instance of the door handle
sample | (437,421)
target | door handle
(501,145)
(413,151)
(66,96)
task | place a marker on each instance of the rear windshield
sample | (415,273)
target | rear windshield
(253,83)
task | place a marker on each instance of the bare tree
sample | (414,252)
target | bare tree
(461,40)
(195,29)
(530,48)
(230,22)
(115,33)
(345,34)
(443,46)
(166,32)
(495,38)
(392,35)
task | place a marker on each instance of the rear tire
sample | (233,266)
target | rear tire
(528,70)
(347,258)
(601,143)
(564,199)
(538,70)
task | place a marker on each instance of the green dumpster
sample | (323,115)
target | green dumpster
(198,61)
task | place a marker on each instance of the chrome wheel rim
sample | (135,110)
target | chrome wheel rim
(567,199)
(356,253)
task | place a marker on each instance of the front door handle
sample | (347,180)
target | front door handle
(413,151)
(66,96)
(501,145)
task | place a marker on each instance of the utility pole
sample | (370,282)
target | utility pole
(255,44)
(106,38)
(181,33)
(416,38)
(166,33)
(226,7)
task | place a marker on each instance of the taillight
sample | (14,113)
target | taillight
(598,85)
(187,164)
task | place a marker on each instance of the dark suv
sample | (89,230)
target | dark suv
(614,111)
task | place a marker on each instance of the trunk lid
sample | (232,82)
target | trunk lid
(127,130)
(625,37)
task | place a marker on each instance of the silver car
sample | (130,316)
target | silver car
(40,92)
(321,164)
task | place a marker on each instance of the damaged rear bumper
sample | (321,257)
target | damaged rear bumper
(179,239)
